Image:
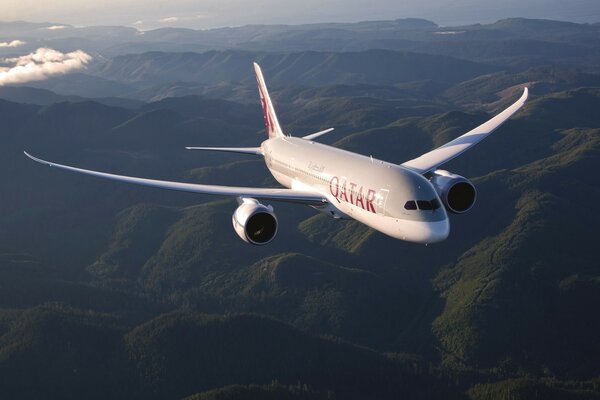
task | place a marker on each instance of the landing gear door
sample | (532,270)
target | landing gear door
(380,200)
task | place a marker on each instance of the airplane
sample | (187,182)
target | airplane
(409,201)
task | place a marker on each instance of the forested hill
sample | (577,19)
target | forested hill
(115,291)
(100,263)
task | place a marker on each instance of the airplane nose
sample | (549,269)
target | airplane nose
(437,231)
(426,231)
(421,231)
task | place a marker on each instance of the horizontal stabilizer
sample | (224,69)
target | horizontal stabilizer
(243,150)
(317,134)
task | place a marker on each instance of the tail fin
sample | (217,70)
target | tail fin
(271,122)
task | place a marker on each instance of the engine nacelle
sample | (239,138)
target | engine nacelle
(255,223)
(457,192)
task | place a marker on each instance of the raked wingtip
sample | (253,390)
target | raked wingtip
(39,160)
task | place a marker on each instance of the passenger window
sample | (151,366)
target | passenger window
(410,205)
(424,205)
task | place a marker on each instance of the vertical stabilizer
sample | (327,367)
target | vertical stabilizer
(271,122)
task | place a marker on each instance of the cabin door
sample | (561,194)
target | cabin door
(380,199)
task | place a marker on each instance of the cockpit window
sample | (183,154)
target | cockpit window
(410,205)
(424,205)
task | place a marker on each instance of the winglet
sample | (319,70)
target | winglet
(271,122)
(523,98)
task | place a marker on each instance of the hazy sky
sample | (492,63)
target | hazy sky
(147,14)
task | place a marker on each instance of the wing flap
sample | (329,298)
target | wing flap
(433,159)
(287,195)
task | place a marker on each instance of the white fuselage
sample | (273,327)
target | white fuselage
(374,192)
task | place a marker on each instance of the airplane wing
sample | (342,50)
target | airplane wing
(430,161)
(286,195)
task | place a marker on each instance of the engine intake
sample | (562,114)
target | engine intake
(457,192)
(254,222)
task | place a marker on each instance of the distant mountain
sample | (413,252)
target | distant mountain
(112,40)
(43,97)
(224,90)
(541,28)
(308,68)
(541,81)
(29,95)
(63,37)
(518,53)
(167,62)
(20,28)
(516,42)
(83,85)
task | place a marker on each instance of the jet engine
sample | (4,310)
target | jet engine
(457,192)
(254,222)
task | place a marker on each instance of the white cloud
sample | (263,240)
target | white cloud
(56,27)
(169,19)
(140,22)
(41,64)
(14,43)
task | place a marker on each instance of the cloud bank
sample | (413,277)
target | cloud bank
(14,43)
(41,64)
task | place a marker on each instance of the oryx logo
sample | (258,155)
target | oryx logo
(267,116)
